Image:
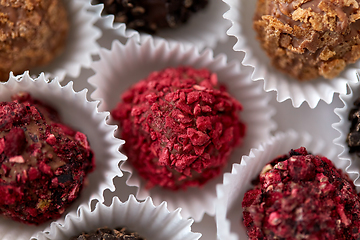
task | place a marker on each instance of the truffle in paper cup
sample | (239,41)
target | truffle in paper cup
(204,28)
(82,115)
(231,192)
(343,127)
(151,222)
(125,65)
(80,45)
(241,15)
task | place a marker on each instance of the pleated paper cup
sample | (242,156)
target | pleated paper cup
(230,193)
(80,45)
(204,28)
(125,65)
(241,16)
(149,221)
(82,115)
(343,127)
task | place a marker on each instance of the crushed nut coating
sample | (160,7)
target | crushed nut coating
(43,163)
(302,196)
(309,38)
(179,126)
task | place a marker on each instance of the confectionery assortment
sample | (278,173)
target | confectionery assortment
(44,163)
(32,34)
(179,127)
(302,196)
(311,37)
(179,124)
(106,233)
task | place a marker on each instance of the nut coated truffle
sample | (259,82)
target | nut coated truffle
(43,163)
(32,33)
(150,15)
(179,127)
(353,137)
(302,196)
(309,38)
(106,233)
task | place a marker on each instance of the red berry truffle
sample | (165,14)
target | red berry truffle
(302,196)
(179,127)
(43,163)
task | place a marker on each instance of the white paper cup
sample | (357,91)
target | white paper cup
(235,184)
(80,45)
(343,127)
(241,15)
(151,222)
(82,115)
(125,65)
(205,28)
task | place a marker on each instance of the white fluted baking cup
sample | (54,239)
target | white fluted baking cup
(125,65)
(241,16)
(150,221)
(343,127)
(205,28)
(81,115)
(231,191)
(80,45)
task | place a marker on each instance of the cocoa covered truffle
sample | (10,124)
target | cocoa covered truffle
(309,38)
(179,127)
(302,196)
(150,15)
(32,33)
(43,163)
(106,233)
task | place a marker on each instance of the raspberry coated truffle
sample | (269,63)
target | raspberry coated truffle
(309,38)
(32,33)
(43,163)
(179,127)
(150,15)
(302,196)
(106,233)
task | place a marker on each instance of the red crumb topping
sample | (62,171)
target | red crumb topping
(302,196)
(43,164)
(179,126)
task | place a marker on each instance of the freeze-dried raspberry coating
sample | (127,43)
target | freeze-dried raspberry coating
(309,38)
(43,163)
(150,15)
(106,233)
(302,196)
(179,127)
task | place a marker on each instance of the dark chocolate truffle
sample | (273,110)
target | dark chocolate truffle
(302,196)
(150,15)
(43,163)
(106,233)
(309,38)
(353,137)
(32,33)
(179,127)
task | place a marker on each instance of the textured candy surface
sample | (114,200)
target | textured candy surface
(302,196)
(179,126)
(43,163)
(109,234)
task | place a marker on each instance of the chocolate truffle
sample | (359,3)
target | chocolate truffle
(179,127)
(150,15)
(309,38)
(32,33)
(43,162)
(106,233)
(302,196)
(353,137)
